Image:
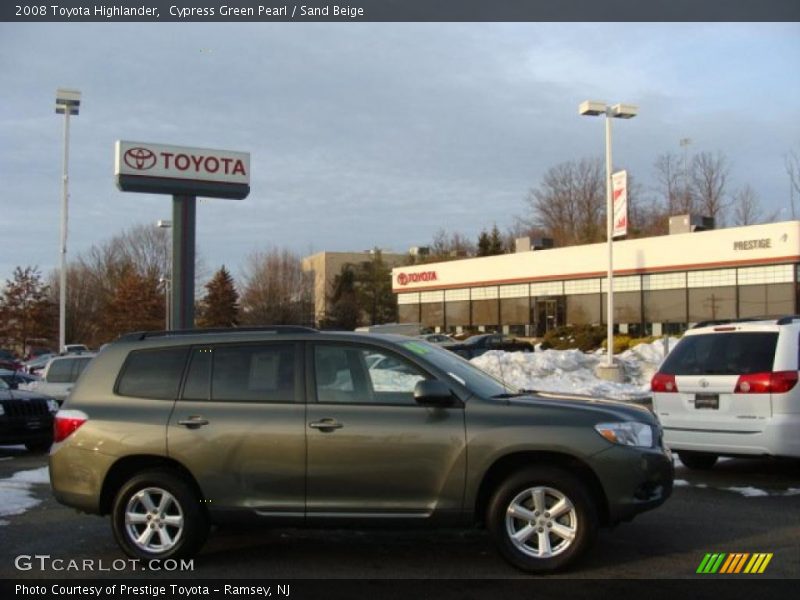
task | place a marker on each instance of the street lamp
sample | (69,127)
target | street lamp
(167,281)
(67,103)
(618,111)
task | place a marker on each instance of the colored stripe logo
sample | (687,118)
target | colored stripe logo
(734,563)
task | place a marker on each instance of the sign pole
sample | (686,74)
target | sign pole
(184,217)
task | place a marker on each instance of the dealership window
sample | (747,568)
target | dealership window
(665,306)
(583,309)
(715,278)
(514,291)
(664,281)
(712,303)
(514,311)
(623,284)
(627,311)
(408,313)
(457,313)
(770,274)
(548,288)
(432,309)
(582,286)
(485,313)
(766,300)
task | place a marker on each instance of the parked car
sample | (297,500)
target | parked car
(480,344)
(35,365)
(26,418)
(730,389)
(9,361)
(59,376)
(16,378)
(75,349)
(438,338)
(289,426)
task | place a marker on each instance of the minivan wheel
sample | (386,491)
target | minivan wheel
(699,461)
(157,515)
(542,519)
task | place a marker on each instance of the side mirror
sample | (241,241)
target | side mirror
(432,392)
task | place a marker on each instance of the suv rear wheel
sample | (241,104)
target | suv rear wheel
(542,519)
(157,515)
(699,461)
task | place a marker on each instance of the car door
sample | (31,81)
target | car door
(239,427)
(372,450)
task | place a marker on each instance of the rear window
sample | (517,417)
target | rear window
(66,370)
(732,353)
(153,373)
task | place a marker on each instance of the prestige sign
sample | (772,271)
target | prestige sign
(157,168)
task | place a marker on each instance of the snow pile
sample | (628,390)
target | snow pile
(16,493)
(572,371)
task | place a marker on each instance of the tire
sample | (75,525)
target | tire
(551,543)
(39,447)
(162,503)
(698,461)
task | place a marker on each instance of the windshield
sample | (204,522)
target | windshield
(477,381)
(4,385)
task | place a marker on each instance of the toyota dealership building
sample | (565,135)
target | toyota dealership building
(661,284)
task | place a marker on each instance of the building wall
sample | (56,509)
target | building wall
(661,284)
(325,266)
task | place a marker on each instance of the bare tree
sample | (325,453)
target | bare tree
(276,291)
(446,245)
(569,204)
(709,177)
(746,207)
(673,184)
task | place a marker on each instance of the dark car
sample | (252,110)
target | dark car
(480,344)
(15,378)
(26,418)
(172,432)
(9,361)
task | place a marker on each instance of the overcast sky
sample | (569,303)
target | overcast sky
(368,134)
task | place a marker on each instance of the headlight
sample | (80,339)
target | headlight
(52,405)
(627,433)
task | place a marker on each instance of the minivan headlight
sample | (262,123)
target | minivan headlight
(627,433)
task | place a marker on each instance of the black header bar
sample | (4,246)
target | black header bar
(399,10)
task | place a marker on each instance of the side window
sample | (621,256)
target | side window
(349,374)
(60,371)
(198,377)
(254,373)
(153,373)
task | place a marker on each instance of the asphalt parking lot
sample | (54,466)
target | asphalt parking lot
(741,506)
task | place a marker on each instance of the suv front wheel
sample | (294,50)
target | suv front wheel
(542,519)
(156,515)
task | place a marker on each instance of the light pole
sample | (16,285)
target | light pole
(67,103)
(166,224)
(619,111)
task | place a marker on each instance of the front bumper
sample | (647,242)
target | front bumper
(634,479)
(23,430)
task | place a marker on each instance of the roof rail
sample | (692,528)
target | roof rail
(138,336)
(711,322)
(788,319)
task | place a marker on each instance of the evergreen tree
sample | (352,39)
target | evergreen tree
(496,245)
(374,290)
(484,244)
(26,313)
(345,312)
(220,307)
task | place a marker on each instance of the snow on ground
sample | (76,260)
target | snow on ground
(16,492)
(572,371)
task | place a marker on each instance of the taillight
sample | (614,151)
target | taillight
(67,422)
(778,382)
(663,383)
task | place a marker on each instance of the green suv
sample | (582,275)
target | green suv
(171,432)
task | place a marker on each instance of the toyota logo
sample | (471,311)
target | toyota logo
(402,279)
(140,159)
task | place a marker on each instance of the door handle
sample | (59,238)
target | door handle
(193,422)
(326,425)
